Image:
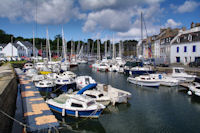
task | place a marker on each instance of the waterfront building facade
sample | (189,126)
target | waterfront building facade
(185,46)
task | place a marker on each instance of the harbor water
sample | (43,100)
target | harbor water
(149,110)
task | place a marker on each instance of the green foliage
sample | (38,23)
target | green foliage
(6,38)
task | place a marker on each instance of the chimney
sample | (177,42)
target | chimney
(192,25)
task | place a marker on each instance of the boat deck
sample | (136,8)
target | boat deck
(37,114)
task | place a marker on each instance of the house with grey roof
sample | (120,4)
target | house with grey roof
(28,48)
(12,49)
(185,46)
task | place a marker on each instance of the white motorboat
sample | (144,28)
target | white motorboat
(69,73)
(82,61)
(76,105)
(45,85)
(30,72)
(113,68)
(140,70)
(194,88)
(115,95)
(27,66)
(52,76)
(120,68)
(180,74)
(36,78)
(103,67)
(82,81)
(165,80)
(39,65)
(98,96)
(64,65)
(144,80)
(96,64)
(65,83)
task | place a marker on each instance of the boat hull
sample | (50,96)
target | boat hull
(155,84)
(170,84)
(77,113)
(140,72)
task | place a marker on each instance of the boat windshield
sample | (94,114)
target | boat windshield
(100,95)
(198,88)
(90,103)
(179,70)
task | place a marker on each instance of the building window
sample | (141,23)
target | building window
(177,59)
(177,49)
(185,48)
(185,59)
(194,48)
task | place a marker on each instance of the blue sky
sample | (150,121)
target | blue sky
(83,19)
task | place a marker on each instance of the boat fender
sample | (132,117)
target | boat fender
(189,93)
(63,112)
(160,76)
(76,113)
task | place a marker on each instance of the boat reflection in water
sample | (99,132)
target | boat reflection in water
(116,109)
(71,124)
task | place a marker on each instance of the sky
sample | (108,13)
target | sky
(95,19)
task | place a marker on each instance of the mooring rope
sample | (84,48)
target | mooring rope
(22,124)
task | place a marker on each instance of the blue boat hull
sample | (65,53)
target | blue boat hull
(46,89)
(90,113)
(141,72)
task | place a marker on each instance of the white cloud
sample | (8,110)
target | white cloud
(113,4)
(187,6)
(171,23)
(150,16)
(108,19)
(96,4)
(10,8)
(48,11)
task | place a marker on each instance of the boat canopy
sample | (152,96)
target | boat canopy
(88,87)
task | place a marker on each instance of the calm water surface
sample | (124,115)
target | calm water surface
(149,110)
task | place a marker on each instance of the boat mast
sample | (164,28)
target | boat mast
(41,49)
(63,46)
(98,50)
(48,44)
(92,50)
(58,46)
(113,47)
(141,35)
(106,48)
(33,47)
(120,52)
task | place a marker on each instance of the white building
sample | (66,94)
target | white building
(185,47)
(28,48)
(12,49)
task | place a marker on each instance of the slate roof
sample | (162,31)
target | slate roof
(26,44)
(3,45)
(184,38)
